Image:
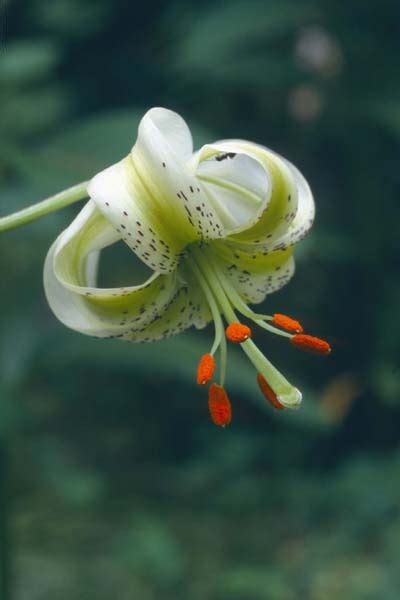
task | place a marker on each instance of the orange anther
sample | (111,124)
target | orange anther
(313,344)
(238,333)
(206,369)
(287,323)
(269,392)
(219,405)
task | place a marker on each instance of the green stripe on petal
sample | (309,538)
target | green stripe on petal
(262,175)
(282,205)
(120,195)
(289,213)
(151,197)
(297,227)
(175,192)
(70,275)
(303,219)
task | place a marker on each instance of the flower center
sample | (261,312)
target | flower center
(224,301)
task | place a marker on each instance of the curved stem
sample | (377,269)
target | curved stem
(56,202)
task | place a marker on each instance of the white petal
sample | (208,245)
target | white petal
(300,220)
(288,213)
(265,173)
(281,207)
(303,219)
(237,185)
(172,128)
(151,197)
(120,195)
(172,186)
(254,287)
(69,279)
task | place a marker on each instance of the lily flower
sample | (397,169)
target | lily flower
(217,228)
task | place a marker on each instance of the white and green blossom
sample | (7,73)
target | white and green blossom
(217,228)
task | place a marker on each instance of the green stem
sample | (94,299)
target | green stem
(56,202)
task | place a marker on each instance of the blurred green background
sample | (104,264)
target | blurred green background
(114,484)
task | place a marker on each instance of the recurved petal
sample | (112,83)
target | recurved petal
(301,220)
(166,171)
(120,194)
(70,283)
(237,185)
(249,172)
(173,130)
(186,309)
(152,198)
(254,287)
(281,209)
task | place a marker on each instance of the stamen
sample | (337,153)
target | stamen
(208,277)
(206,369)
(287,323)
(311,343)
(269,392)
(219,405)
(237,333)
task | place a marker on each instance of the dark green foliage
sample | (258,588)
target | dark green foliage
(113,483)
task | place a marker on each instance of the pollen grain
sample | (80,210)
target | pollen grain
(287,323)
(206,369)
(219,405)
(238,333)
(311,343)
